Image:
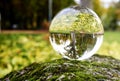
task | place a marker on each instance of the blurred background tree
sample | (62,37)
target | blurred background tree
(28,14)
(110,21)
(33,14)
(108,15)
(98,8)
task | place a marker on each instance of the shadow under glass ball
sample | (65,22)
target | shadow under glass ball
(76,33)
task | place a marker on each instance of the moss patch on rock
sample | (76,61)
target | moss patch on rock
(97,68)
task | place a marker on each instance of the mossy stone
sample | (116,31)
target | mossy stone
(97,68)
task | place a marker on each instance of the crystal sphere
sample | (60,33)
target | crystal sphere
(76,33)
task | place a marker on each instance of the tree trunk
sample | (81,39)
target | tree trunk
(87,3)
(34,24)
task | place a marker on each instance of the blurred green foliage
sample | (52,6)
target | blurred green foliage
(98,8)
(110,20)
(20,50)
(110,16)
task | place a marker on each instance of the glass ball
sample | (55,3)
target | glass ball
(76,33)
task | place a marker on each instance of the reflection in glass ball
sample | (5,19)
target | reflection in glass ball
(76,33)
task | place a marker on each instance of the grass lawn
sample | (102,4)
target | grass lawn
(111,45)
(20,50)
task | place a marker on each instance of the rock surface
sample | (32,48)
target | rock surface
(97,68)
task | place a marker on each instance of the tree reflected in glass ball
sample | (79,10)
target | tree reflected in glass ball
(76,33)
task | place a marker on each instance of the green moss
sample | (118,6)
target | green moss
(94,69)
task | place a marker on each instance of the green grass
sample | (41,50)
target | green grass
(111,45)
(112,37)
(20,50)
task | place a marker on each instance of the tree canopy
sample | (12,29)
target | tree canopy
(33,14)
(28,14)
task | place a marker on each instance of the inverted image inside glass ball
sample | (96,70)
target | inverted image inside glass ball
(76,33)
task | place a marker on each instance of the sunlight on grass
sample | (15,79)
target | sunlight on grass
(111,45)
(20,50)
